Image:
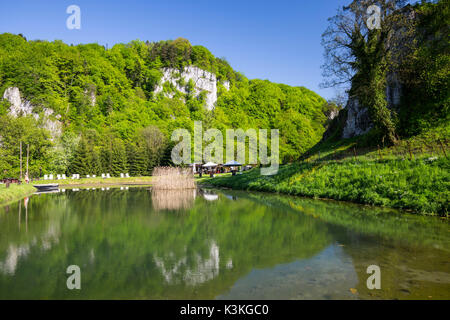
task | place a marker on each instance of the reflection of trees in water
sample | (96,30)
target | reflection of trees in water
(16,252)
(22,242)
(128,251)
(173,199)
(376,221)
(137,251)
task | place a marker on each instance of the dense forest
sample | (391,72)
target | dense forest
(111,118)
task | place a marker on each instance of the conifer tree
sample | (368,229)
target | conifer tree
(131,158)
(95,162)
(135,160)
(80,163)
(119,158)
(106,158)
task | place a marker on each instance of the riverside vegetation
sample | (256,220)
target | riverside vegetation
(14,192)
(402,162)
(420,185)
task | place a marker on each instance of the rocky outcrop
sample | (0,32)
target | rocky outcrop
(358,119)
(17,108)
(204,82)
(90,94)
(393,91)
(335,126)
(226,84)
(21,107)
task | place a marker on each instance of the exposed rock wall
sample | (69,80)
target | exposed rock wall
(17,108)
(90,94)
(358,118)
(203,80)
(22,107)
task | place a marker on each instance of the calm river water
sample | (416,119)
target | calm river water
(210,244)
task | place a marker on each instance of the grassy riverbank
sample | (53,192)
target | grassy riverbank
(420,185)
(14,192)
(100,181)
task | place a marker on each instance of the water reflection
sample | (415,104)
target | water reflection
(17,252)
(209,195)
(204,268)
(173,199)
(239,246)
(327,275)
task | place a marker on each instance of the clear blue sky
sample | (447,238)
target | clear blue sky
(275,40)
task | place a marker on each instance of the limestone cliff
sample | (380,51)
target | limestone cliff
(358,119)
(22,107)
(204,82)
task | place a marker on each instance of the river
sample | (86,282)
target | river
(132,243)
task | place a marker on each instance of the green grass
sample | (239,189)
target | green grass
(98,181)
(420,185)
(14,192)
(431,143)
(412,175)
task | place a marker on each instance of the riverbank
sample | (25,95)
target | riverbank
(418,185)
(15,192)
(98,181)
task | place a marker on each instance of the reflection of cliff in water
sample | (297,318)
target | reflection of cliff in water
(180,199)
(294,248)
(142,254)
(201,271)
(19,245)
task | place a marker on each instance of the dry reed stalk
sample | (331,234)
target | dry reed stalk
(173,199)
(173,178)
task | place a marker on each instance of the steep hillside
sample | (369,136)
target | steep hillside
(87,109)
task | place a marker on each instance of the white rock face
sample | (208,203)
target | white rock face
(90,93)
(204,81)
(226,84)
(17,108)
(333,114)
(358,119)
(22,108)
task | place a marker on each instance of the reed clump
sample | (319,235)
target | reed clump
(177,199)
(173,178)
